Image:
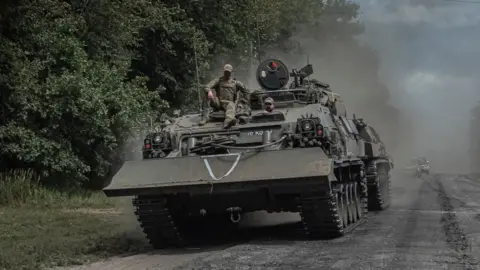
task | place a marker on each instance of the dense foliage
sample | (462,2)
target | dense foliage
(75,75)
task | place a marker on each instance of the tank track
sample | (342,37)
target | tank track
(157,222)
(325,216)
(379,187)
(164,228)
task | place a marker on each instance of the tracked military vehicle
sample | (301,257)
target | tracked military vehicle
(307,155)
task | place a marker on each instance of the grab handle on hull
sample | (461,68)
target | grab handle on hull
(209,169)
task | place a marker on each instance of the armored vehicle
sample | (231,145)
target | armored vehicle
(307,155)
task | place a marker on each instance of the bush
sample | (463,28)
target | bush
(75,76)
(18,186)
(22,187)
(67,112)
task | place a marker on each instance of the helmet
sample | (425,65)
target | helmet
(228,68)
(268,100)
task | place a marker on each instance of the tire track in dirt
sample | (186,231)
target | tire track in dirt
(418,234)
(456,238)
(407,234)
(420,231)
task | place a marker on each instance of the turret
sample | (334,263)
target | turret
(273,74)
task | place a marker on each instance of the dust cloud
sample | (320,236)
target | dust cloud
(414,78)
(351,67)
(413,75)
(127,221)
(352,73)
(431,65)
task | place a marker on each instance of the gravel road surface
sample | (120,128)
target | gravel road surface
(432,224)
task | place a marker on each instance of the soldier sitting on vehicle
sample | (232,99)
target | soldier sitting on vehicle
(221,93)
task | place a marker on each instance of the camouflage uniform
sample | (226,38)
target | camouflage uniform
(225,91)
(243,109)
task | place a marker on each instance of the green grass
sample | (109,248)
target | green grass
(19,187)
(43,228)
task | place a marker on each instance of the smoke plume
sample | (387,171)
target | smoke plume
(412,74)
(430,63)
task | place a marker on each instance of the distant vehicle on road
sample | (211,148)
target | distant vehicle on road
(419,167)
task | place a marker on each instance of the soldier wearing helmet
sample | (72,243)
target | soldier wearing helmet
(221,93)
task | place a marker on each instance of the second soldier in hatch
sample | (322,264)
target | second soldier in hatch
(222,92)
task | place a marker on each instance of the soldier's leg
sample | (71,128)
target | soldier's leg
(205,112)
(207,104)
(215,103)
(243,110)
(229,107)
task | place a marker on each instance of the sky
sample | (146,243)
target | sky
(430,59)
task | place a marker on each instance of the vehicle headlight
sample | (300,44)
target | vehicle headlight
(307,125)
(158,138)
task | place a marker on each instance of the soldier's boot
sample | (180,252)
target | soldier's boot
(243,119)
(204,117)
(229,122)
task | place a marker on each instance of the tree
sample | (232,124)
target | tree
(75,75)
(65,113)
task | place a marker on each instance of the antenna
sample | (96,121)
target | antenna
(250,67)
(308,76)
(308,63)
(258,33)
(197,79)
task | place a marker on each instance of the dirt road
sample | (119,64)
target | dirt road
(432,224)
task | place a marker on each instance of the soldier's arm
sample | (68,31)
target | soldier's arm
(241,87)
(211,85)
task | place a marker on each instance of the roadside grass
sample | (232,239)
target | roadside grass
(42,228)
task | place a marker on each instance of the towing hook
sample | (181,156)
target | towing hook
(235,216)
